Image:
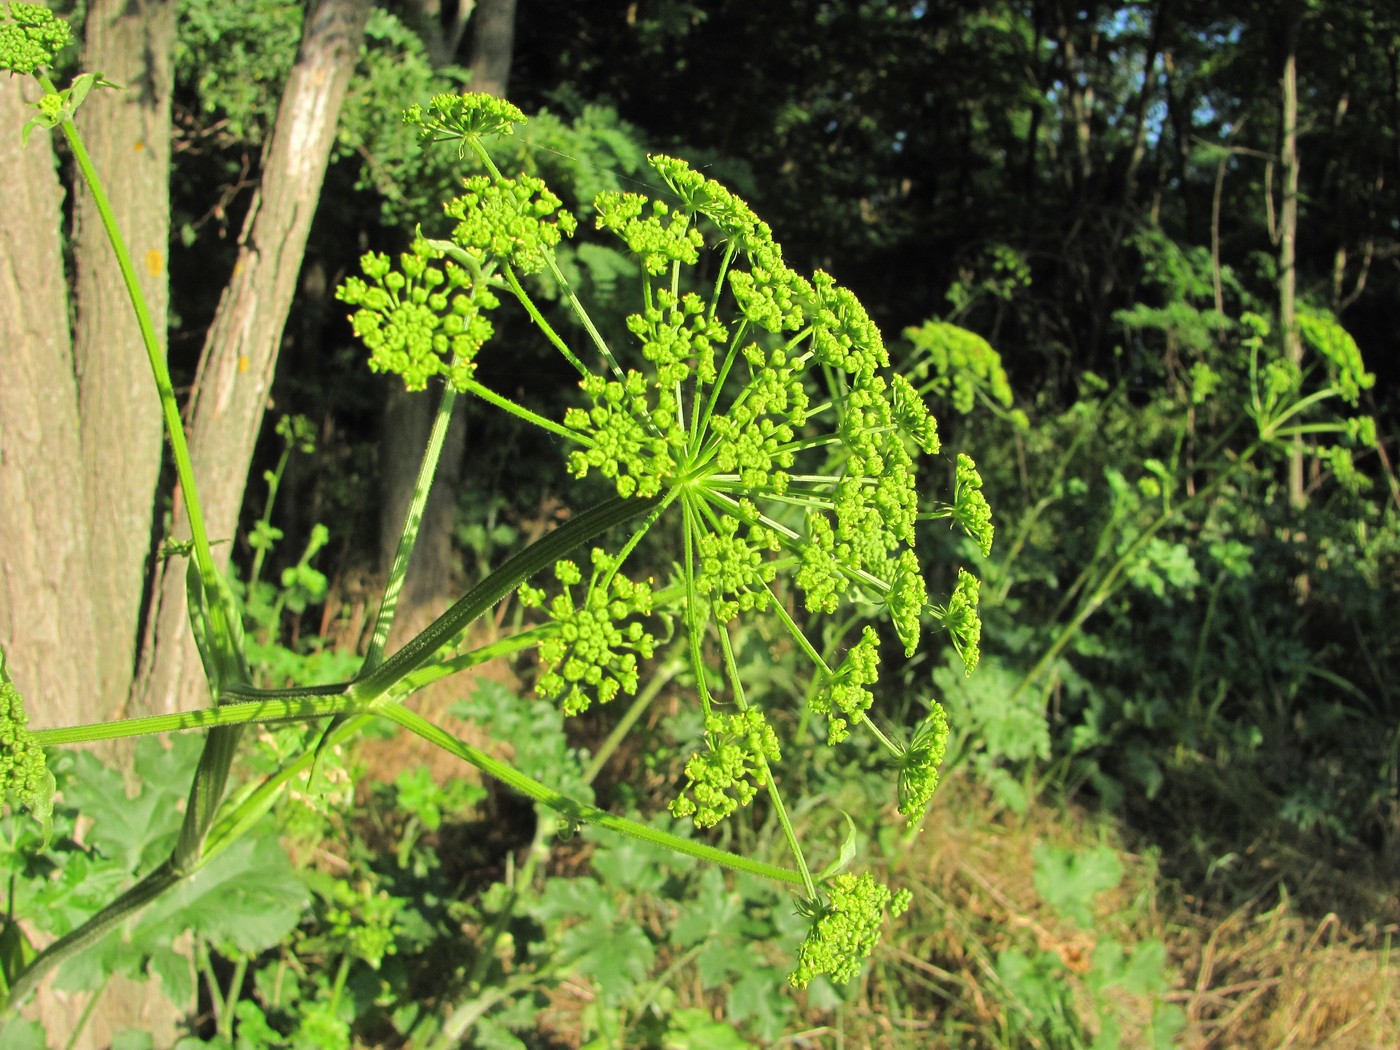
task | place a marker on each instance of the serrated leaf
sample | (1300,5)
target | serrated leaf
(719,961)
(617,957)
(24,1035)
(1069,880)
(710,911)
(175,973)
(761,1002)
(694,1029)
(568,898)
(631,864)
(246,899)
(136,833)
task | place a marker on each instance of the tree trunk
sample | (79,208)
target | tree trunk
(127,133)
(408,417)
(493,46)
(46,624)
(1288,244)
(240,352)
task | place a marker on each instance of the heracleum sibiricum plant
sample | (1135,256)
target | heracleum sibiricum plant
(751,411)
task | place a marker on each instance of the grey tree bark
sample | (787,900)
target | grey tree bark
(408,417)
(241,350)
(1288,240)
(127,133)
(46,621)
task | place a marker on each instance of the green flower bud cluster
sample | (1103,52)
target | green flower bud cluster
(843,335)
(728,774)
(510,221)
(727,418)
(962,620)
(731,215)
(463,118)
(734,570)
(659,239)
(761,412)
(622,446)
(845,697)
(754,437)
(596,649)
(845,930)
(1343,466)
(30,37)
(961,363)
(24,771)
(970,507)
(421,319)
(918,765)
(1322,331)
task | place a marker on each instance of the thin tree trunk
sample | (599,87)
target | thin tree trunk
(1288,243)
(408,417)
(127,133)
(493,46)
(46,624)
(240,353)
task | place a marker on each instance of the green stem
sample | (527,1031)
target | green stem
(584,319)
(809,886)
(227,825)
(370,687)
(575,811)
(663,676)
(544,326)
(90,932)
(212,772)
(301,705)
(273,484)
(520,411)
(403,554)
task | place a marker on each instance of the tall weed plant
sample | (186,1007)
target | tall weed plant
(749,426)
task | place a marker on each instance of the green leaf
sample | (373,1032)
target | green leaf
(136,832)
(132,1040)
(710,910)
(24,1035)
(695,1029)
(1069,880)
(617,956)
(247,899)
(631,864)
(1145,974)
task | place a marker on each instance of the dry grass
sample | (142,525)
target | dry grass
(1265,974)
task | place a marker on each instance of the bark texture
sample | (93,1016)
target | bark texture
(46,624)
(127,134)
(240,354)
(1288,242)
(408,418)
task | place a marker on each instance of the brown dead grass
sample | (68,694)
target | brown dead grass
(1265,974)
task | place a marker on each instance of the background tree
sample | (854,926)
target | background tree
(241,351)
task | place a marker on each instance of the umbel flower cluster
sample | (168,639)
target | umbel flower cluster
(30,37)
(753,407)
(24,771)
